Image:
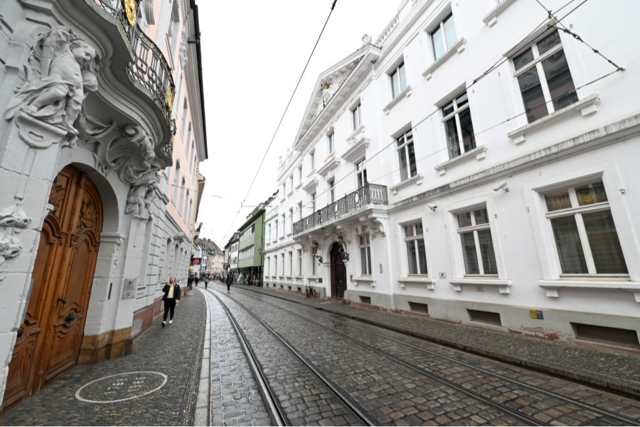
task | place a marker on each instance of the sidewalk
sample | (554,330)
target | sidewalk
(170,356)
(614,371)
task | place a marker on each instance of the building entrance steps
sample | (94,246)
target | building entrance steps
(165,364)
(618,372)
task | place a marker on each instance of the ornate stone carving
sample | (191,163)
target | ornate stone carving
(131,156)
(366,39)
(184,44)
(12,220)
(58,77)
(130,11)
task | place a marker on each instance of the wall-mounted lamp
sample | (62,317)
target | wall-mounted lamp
(342,244)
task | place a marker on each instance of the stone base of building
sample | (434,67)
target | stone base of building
(106,346)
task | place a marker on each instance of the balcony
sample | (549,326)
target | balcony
(146,67)
(362,199)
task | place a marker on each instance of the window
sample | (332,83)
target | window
(290,220)
(184,117)
(331,183)
(299,262)
(356,113)
(365,255)
(443,37)
(299,211)
(268,266)
(290,263)
(275,265)
(181,196)
(291,183)
(284,224)
(312,158)
(313,203)
(398,81)
(331,141)
(406,156)
(246,253)
(282,269)
(190,212)
(477,244)
(458,126)
(313,263)
(176,184)
(276,236)
(586,238)
(186,202)
(269,232)
(361,173)
(248,233)
(299,174)
(416,251)
(544,78)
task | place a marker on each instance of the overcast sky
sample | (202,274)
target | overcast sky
(253,54)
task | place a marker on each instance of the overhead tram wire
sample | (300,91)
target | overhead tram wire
(284,114)
(576,36)
(475,134)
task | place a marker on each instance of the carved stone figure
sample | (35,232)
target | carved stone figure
(59,75)
(366,39)
(327,93)
(12,219)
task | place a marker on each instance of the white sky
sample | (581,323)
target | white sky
(253,54)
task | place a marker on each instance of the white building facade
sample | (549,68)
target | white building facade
(90,227)
(473,164)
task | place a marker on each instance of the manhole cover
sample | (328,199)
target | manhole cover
(121,387)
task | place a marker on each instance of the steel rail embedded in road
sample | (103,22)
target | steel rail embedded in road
(604,413)
(276,412)
(337,392)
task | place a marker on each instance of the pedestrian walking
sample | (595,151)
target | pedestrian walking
(171,298)
(197,279)
(206,281)
(229,280)
(190,282)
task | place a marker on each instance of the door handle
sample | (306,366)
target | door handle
(70,318)
(20,332)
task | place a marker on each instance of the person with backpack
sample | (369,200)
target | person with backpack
(229,280)
(206,281)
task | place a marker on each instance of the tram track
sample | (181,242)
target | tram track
(275,409)
(603,413)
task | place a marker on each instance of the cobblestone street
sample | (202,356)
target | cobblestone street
(312,364)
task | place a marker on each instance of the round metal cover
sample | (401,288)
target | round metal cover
(121,387)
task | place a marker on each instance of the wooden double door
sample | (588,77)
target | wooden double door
(338,272)
(52,330)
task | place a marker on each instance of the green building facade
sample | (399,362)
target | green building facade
(251,248)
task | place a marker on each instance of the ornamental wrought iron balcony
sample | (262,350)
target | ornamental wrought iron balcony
(370,194)
(149,69)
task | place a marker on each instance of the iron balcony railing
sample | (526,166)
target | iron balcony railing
(370,194)
(150,68)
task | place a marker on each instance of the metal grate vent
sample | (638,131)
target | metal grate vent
(365,300)
(604,334)
(299,289)
(419,307)
(485,317)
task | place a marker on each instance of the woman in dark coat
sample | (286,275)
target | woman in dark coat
(171,298)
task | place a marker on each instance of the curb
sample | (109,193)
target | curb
(562,372)
(201,417)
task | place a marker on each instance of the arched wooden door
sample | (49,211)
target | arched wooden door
(63,273)
(338,272)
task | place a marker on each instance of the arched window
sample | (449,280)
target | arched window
(186,200)
(189,218)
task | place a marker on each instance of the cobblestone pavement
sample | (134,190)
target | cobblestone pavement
(235,399)
(617,371)
(406,381)
(174,351)
(304,399)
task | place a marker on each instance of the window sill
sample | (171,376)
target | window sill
(551,287)
(311,185)
(299,185)
(422,280)
(503,285)
(290,193)
(415,180)
(479,153)
(365,279)
(458,47)
(492,17)
(289,234)
(404,94)
(330,163)
(587,106)
(357,148)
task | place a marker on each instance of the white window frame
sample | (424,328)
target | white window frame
(396,76)
(331,183)
(405,147)
(300,175)
(537,62)
(475,228)
(361,173)
(456,111)
(312,158)
(290,263)
(313,203)
(331,142)
(444,37)
(356,116)
(415,238)
(367,249)
(576,211)
(299,211)
(299,262)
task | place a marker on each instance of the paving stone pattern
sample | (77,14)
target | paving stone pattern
(174,351)
(235,398)
(304,399)
(596,366)
(390,393)
(544,398)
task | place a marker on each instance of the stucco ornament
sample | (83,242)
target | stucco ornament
(130,11)
(58,77)
(12,220)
